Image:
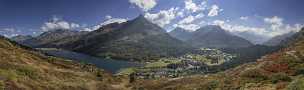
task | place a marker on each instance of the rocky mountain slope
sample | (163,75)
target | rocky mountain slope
(277,40)
(137,39)
(215,37)
(21,38)
(51,37)
(181,34)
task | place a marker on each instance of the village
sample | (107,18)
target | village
(199,62)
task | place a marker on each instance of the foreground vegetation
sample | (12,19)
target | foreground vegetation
(22,68)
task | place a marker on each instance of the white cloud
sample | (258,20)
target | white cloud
(145,5)
(200,15)
(244,18)
(181,13)
(260,34)
(108,17)
(219,22)
(277,27)
(187,20)
(190,27)
(57,23)
(214,11)
(275,21)
(190,5)
(187,23)
(109,20)
(240,28)
(162,18)
(9,32)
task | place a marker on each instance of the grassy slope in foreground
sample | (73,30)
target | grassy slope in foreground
(26,69)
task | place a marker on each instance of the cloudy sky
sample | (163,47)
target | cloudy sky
(258,20)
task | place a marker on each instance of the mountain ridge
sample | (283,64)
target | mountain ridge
(138,39)
(213,36)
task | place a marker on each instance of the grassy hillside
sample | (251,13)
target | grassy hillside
(282,70)
(27,69)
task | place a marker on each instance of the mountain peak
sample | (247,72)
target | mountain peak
(181,34)
(213,28)
(178,29)
(213,36)
(141,18)
(21,37)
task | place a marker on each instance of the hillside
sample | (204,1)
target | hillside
(277,40)
(22,68)
(181,34)
(21,38)
(282,70)
(137,39)
(215,37)
(52,37)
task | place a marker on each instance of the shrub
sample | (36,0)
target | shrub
(27,71)
(254,75)
(8,75)
(299,71)
(298,84)
(211,85)
(2,85)
(280,77)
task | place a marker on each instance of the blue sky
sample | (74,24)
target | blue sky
(260,18)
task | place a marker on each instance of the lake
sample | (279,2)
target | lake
(110,65)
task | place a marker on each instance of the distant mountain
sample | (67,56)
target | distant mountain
(137,39)
(21,38)
(50,37)
(252,37)
(26,69)
(181,34)
(215,37)
(278,39)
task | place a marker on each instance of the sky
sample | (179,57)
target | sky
(255,20)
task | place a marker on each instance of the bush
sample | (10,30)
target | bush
(298,84)
(211,85)
(8,75)
(254,75)
(2,85)
(280,77)
(27,71)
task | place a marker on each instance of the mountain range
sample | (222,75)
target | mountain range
(141,40)
(211,36)
(181,34)
(49,37)
(277,40)
(138,39)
